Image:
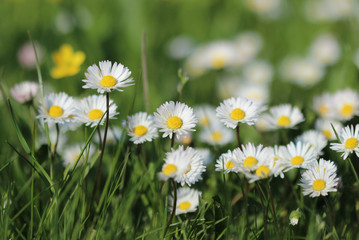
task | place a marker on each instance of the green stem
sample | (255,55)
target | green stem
(354,171)
(273,208)
(174,206)
(263,210)
(238,137)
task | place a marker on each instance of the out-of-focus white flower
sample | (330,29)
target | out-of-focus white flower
(330,10)
(324,126)
(346,104)
(71,153)
(180,47)
(187,200)
(65,22)
(206,155)
(24,92)
(284,116)
(26,55)
(206,115)
(316,139)
(216,135)
(248,45)
(219,54)
(323,105)
(114,135)
(325,49)
(228,86)
(259,71)
(304,72)
(259,93)
(186,139)
(265,8)
(294,217)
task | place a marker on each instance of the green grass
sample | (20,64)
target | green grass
(42,199)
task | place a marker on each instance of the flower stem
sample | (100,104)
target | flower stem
(238,137)
(173,140)
(332,218)
(354,171)
(263,210)
(273,208)
(173,207)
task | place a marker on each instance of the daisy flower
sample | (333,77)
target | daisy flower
(297,155)
(92,108)
(320,179)
(258,72)
(238,110)
(251,157)
(216,135)
(206,115)
(70,154)
(107,77)
(325,49)
(56,108)
(316,139)
(185,139)
(185,166)
(206,155)
(285,116)
(259,93)
(248,45)
(277,163)
(219,54)
(323,105)
(264,122)
(325,126)
(187,200)
(141,128)
(349,141)
(227,162)
(346,104)
(42,139)
(175,118)
(24,92)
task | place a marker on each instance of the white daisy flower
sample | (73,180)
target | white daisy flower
(175,118)
(107,77)
(24,92)
(185,139)
(187,200)
(285,116)
(227,162)
(325,49)
(91,109)
(265,167)
(349,141)
(206,115)
(346,104)
(297,155)
(238,110)
(56,108)
(141,128)
(184,166)
(320,179)
(259,93)
(228,86)
(277,163)
(266,8)
(248,45)
(259,71)
(219,54)
(196,64)
(324,104)
(251,156)
(216,135)
(71,153)
(180,47)
(316,139)
(206,155)
(264,123)
(42,139)
(324,126)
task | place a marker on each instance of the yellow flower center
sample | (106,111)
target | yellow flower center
(275,161)
(184,205)
(229,164)
(351,143)
(140,130)
(323,109)
(237,114)
(95,114)
(108,81)
(170,168)
(262,171)
(347,110)
(297,160)
(174,122)
(218,61)
(187,140)
(249,162)
(327,134)
(216,136)
(283,121)
(204,121)
(319,184)
(188,169)
(70,116)
(55,111)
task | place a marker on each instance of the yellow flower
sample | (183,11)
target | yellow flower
(67,61)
